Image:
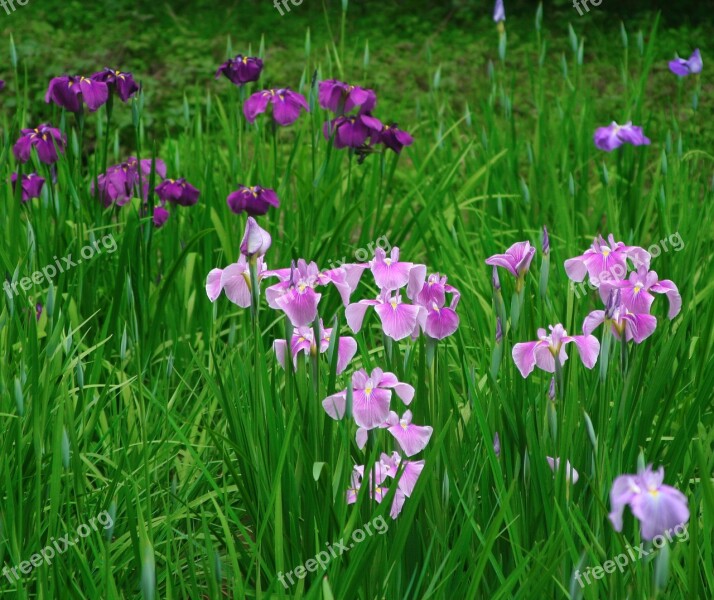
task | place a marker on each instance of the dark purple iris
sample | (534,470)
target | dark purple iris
(340,97)
(45,139)
(121,82)
(353,131)
(31,185)
(394,138)
(254,200)
(241,69)
(120,183)
(69,91)
(286,105)
(160,215)
(178,191)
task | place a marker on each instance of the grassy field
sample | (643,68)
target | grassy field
(156,432)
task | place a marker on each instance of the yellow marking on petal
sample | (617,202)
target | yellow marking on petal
(606,252)
(301,287)
(404,424)
(637,289)
(301,340)
(394,304)
(367,391)
(654,493)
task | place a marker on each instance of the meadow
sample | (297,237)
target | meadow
(184,397)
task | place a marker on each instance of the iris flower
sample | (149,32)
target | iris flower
(441,321)
(241,69)
(340,97)
(499,12)
(658,507)
(177,191)
(286,105)
(45,139)
(636,296)
(542,353)
(391,274)
(256,241)
(234,280)
(622,322)
(399,320)
(118,81)
(683,67)
(69,91)
(254,200)
(394,138)
(303,341)
(605,258)
(411,470)
(516,260)
(411,438)
(120,182)
(295,294)
(371,397)
(31,185)
(352,131)
(613,136)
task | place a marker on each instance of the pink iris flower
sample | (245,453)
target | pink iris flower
(441,321)
(234,280)
(303,341)
(390,274)
(399,320)
(605,258)
(516,260)
(256,241)
(542,353)
(658,507)
(411,470)
(377,489)
(295,295)
(412,438)
(622,322)
(636,296)
(371,397)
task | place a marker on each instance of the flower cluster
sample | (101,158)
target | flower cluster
(71,92)
(371,396)
(353,130)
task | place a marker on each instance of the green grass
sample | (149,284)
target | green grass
(140,397)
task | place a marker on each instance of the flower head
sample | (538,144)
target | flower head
(516,260)
(69,91)
(623,323)
(394,138)
(658,507)
(636,296)
(441,321)
(256,241)
(341,98)
(352,131)
(286,105)
(47,140)
(178,191)
(31,185)
(499,12)
(613,136)
(411,438)
(683,67)
(234,280)
(241,69)
(605,260)
(399,320)
(118,81)
(254,200)
(542,353)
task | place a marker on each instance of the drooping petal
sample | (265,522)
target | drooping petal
(675,299)
(660,510)
(623,491)
(280,347)
(593,321)
(398,320)
(300,306)
(410,475)
(524,355)
(371,407)
(346,349)
(441,323)
(213,284)
(411,438)
(234,282)
(336,405)
(639,327)
(588,348)
(354,313)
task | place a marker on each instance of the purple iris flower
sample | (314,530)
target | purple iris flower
(623,323)
(371,397)
(683,67)
(69,91)
(31,185)
(499,12)
(658,507)
(411,470)
(399,320)
(636,296)
(121,82)
(234,280)
(241,69)
(254,200)
(120,183)
(352,131)
(303,341)
(391,274)
(341,98)
(286,105)
(605,260)
(45,139)
(441,321)
(516,260)
(394,138)
(160,215)
(411,438)
(542,353)
(179,191)
(295,294)
(613,136)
